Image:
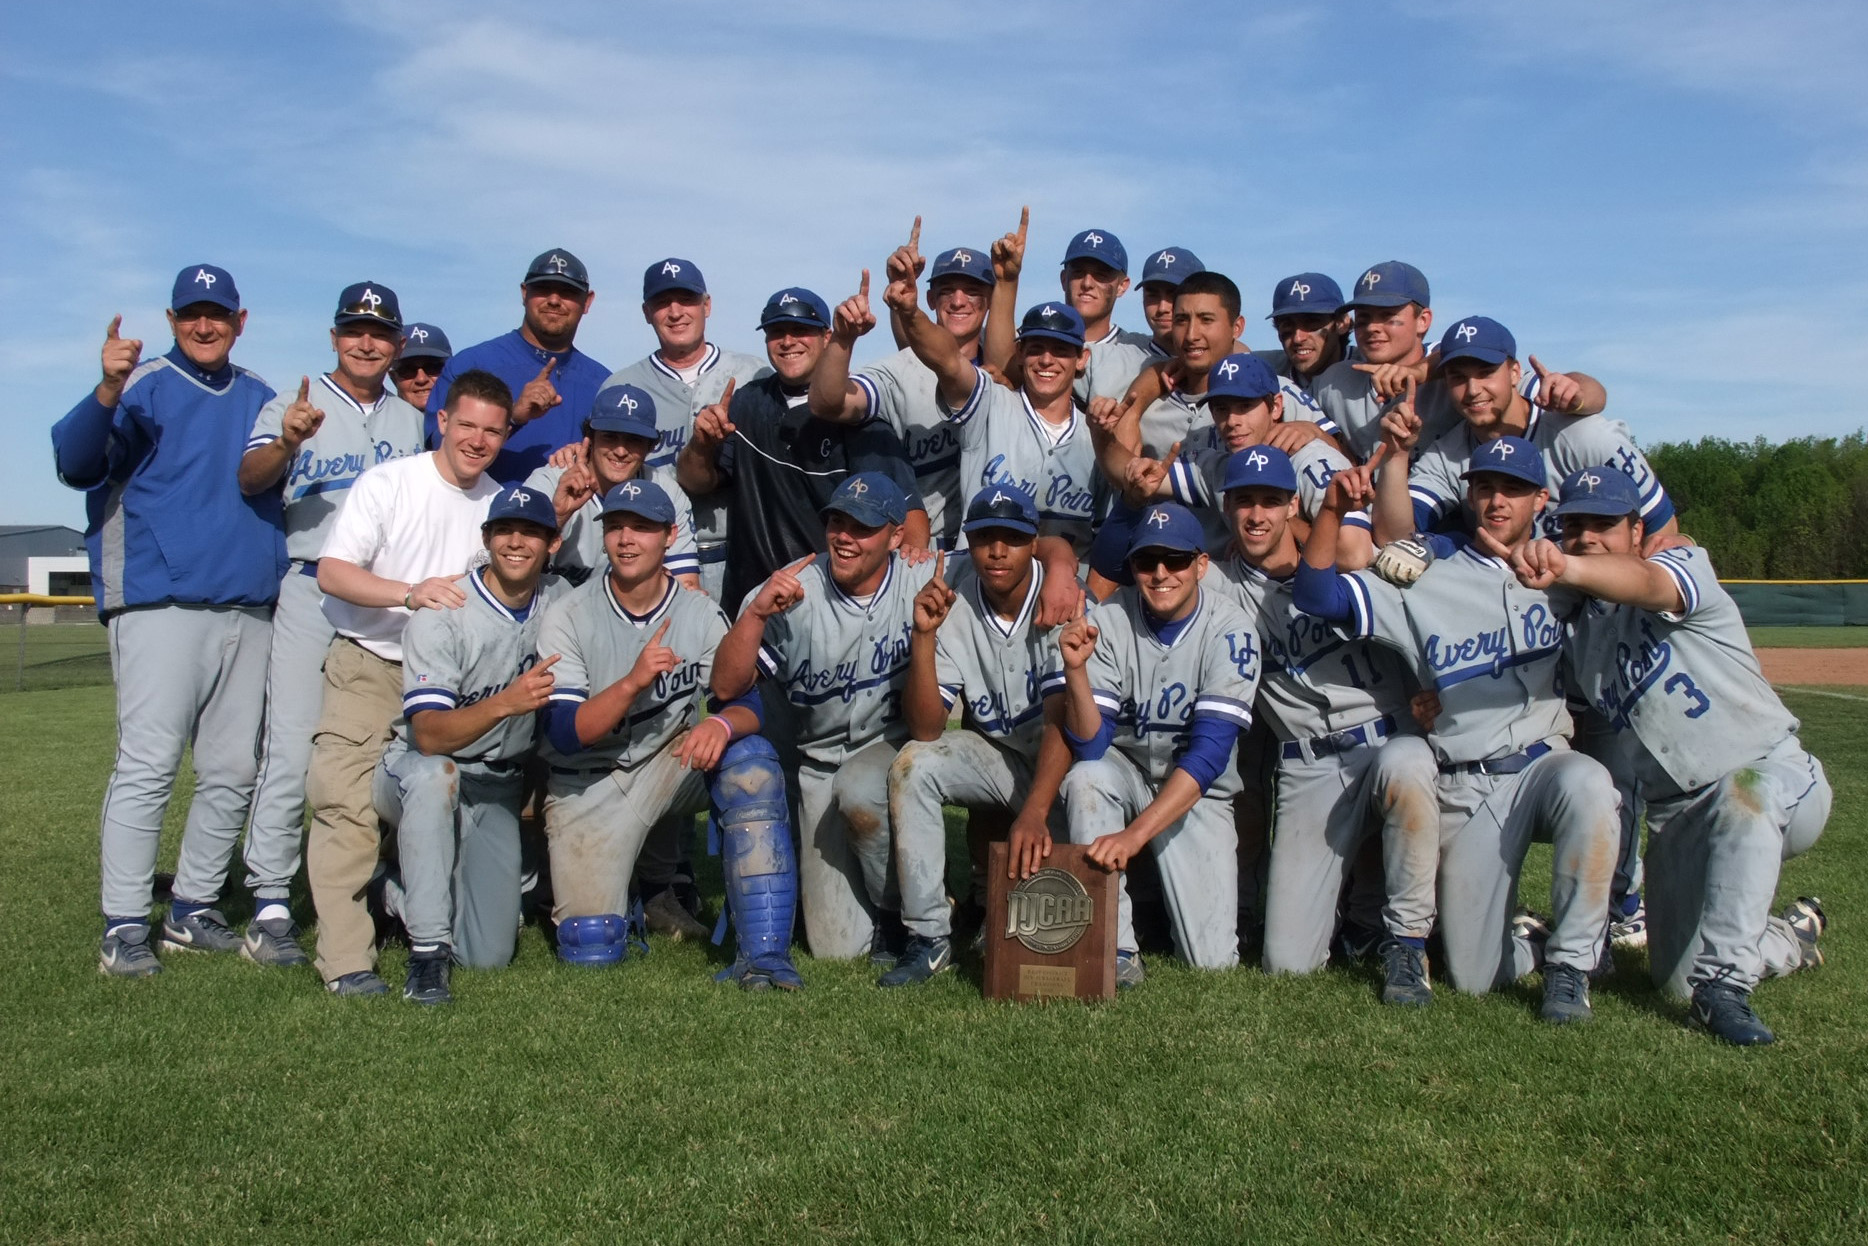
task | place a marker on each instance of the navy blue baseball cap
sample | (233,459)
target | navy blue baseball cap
(623,409)
(795,305)
(1053,320)
(672,274)
(640,497)
(1390,284)
(368,303)
(425,341)
(1002,506)
(1478,337)
(1098,244)
(558,268)
(1259,466)
(519,502)
(871,499)
(963,262)
(1306,294)
(1509,456)
(204,283)
(1170,266)
(1243,375)
(1599,491)
(1167,525)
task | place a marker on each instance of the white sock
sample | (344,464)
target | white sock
(272,910)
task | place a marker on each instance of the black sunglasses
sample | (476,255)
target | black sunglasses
(1174,560)
(427,367)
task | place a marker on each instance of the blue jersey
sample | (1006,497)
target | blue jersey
(512,359)
(167,523)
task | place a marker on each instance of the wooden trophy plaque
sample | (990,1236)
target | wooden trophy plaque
(1052,935)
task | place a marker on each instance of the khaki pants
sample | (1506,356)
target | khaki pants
(362,696)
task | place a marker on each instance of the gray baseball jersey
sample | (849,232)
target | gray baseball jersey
(1004,441)
(1347,398)
(997,667)
(1176,416)
(842,661)
(582,551)
(1116,359)
(1155,690)
(904,392)
(352,439)
(1195,479)
(1569,444)
(598,642)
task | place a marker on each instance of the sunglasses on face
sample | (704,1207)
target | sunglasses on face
(425,367)
(1149,560)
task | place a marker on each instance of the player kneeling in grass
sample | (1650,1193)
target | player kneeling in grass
(636,651)
(977,643)
(451,780)
(1352,766)
(833,633)
(1659,649)
(1165,673)
(1490,649)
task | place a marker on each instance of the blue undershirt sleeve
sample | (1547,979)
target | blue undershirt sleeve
(1094,746)
(1209,748)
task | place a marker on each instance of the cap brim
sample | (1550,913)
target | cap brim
(637,512)
(1379,300)
(1493,357)
(773,323)
(1025,335)
(675,285)
(866,514)
(553,279)
(362,319)
(536,523)
(1595,505)
(1540,481)
(1170,546)
(995,521)
(1207,397)
(603,424)
(425,352)
(1315,310)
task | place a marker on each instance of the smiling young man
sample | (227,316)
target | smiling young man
(185,569)
(1312,327)
(451,781)
(1157,684)
(312,448)
(553,382)
(406,537)
(1162,275)
(425,351)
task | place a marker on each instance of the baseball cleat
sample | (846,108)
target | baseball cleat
(1404,968)
(1356,943)
(1566,995)
(126,953)
(665,915)
(203,930)
(1530,927)
(763,973)
(1724,1012)
(889,941)
(1808,921)
(273,942)
(1630,929)
(427,982)
(923,959)
(1130,972)
(362,982)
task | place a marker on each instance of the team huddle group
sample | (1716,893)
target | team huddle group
(1323,636)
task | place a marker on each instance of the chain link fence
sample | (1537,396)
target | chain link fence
(53,647)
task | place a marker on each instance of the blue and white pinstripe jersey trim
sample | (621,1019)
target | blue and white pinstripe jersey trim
(670,588)
(428,699)
(1672,562)
(1008,629)
(872,398)
(561,695)
(1186,625)
(1497,666)
(1106,701)
(1208,705)
(970,408)
(1359,519)
(768,662)
(1006,726)
(949,693)
(478,580)
(1437,507)
(840,598)
(707,363)
(1361,609)
(1187,486)
(1051,683)
(682,564)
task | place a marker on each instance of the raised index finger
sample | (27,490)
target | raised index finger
(862,291)
(544,373)
(726,395)
(940,564)
(1024,222)
(914,236)
(548,663)
(1539,368)
(1381,452)
(660,632)
(304,389)
(116,322)
(801,564)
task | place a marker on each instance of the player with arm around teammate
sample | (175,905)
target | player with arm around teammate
(1158,684)
(452,780)
(976,643)
(1490,649)
(1660,650)
(628,746)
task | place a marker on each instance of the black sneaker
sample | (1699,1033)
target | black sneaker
(922,960)
(890,940)
(203,930)
(1566,995)
(428,977)
(1404,969)
(126,953)
(273,942)
(361,983)
(1724,1012)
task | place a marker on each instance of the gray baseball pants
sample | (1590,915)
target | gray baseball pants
(843,865)
(301,636)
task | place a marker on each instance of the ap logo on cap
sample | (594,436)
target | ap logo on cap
(1258,458)
(1371,279)
(1301,290)
(372,298)
(521,497)
(962,257)
(1158,518)
(204,277)
(1503,449)
(859,487)
(1229,369)
(1590,481)
(1466,331)
(1093,238)
(671,269)
(632,490)
(556,263)
(420,335)
(997,497)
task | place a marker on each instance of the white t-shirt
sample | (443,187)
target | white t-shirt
(403,522)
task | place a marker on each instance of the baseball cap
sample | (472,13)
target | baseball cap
(559,267)
(519,502)
(1098,244)
(204,283)
(369,302)
(1598,491)
(1002,506)
(1509,456)
(963,262)
(640,497)
(424,341)
(1306,294)
(1167,525)
(795,305)
(672,273)
(1478,337)
(1261,466)
(1242,375)
(623,409)
(1053,320)
(1390,284)
(870,498)
(1170,266)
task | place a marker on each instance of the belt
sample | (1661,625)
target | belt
(502,766)
(1498,765)
(590,773)
(709,554)
(1339,741)
(309,568)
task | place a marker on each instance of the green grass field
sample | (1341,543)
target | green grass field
(221,1102)
(1808,637)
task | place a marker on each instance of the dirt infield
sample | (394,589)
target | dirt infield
(1815,666)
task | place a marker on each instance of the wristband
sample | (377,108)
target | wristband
(723,721)
(408,598)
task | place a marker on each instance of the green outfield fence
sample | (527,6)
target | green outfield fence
(1800,603)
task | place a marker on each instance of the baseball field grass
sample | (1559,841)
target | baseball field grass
(222,1102)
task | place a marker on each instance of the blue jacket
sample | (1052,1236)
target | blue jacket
(167,521)
(516,361)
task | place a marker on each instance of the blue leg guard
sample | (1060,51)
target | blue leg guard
(759,864)
(601,940)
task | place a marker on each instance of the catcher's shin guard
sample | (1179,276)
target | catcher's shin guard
(758,862)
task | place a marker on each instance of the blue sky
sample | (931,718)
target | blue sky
(1671,196)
